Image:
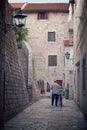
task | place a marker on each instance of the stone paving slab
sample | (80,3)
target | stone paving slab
(42,116)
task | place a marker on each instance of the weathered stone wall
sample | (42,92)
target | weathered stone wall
(24,59)
(38,41)
(80,54)
(16,96)
(2,61)
(26,62)
(13,93)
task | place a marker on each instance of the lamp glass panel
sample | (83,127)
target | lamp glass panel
(16,21)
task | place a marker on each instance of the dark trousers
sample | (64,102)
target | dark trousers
(55,98)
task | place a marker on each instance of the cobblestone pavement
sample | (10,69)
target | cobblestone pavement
(42,116)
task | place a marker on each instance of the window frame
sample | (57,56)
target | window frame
(52,60)
(51,36)
(71,36)
(39,17)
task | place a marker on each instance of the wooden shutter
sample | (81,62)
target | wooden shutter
(52,60)
(38,15)
(46,15)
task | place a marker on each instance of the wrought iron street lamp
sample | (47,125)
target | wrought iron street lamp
(67,54)
(20,19)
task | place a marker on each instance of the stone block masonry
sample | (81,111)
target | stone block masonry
(16,96)
(13,93)
(2,63)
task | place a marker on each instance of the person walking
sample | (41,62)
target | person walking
(48,87)
(55,93)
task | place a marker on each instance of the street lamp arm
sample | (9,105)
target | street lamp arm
(24,5)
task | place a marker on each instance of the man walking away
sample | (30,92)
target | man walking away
(55,93)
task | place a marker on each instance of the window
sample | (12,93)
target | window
(71,71)
(52,60)
(42,15)
(51,36)
(71,35)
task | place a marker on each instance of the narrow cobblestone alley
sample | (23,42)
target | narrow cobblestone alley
(42,116)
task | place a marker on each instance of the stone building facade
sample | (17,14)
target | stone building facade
(48,30)
(48,27)
(80,54)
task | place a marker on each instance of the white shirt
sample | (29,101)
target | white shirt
(55,88)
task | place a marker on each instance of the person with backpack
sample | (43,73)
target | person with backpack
(55,93)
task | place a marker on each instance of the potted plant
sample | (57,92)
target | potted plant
(21,35)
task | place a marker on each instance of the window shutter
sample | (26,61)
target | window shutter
(52,60)
(38,16)
(46,15)
(51,36)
